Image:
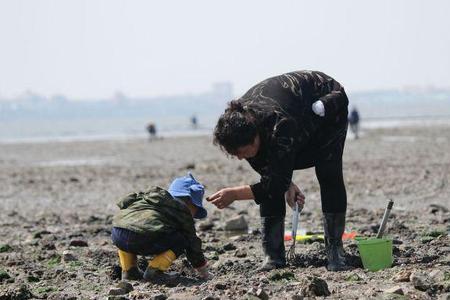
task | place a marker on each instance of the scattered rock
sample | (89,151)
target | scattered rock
(395,290)
(211,298)
(5,248)
(48,246)
(78,243)
(435,208)
(353,277)
(229,247)
(420,281)
(205,225)
(190,166)
(32,278)
(126,286)
(159,297)
(311,286)
(297,297)
(426,239)
(240,253)
(74,179)
(117,291)
(236,223)
(4,275)
(261,294)
(284,275)
(220,286)
(68,256)
(39,234)
(402,276)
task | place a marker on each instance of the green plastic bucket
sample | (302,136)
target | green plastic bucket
(376,254)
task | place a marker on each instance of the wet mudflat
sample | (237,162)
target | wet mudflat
(57,201)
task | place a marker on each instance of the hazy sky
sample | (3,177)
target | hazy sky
(93,48)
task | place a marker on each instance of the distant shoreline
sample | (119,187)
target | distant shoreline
(367,124)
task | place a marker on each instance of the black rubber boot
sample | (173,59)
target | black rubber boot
(334,224)
(273,243)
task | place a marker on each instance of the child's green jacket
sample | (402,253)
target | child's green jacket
(156,214)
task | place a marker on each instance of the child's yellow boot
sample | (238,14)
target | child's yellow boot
(158,265)
(128,263)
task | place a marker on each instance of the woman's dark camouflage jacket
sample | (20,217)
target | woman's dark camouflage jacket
(291,133)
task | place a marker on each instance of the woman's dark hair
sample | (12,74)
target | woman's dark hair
(235,128)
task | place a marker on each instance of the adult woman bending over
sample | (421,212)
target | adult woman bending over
(289,122)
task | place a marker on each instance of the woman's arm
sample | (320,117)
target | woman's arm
(226,196)
(277,176)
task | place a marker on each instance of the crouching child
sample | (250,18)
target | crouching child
(160,223)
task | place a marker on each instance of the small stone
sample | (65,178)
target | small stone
(211,298)
(297,297)
(5,248)
(126,286)
(395,290)
(311,286)
(48,246)
(236,224)
(220,286)
(402,276)
(261,294)
(206,225)
(353,277)
(39,234)
(121,297)
(190,166)
(32,278)
(4,275)
(159,297)
(420,281)
(426,239)
(240,253)
(68,256)
(78,243)
(116,292)
(283,275)
(229,246)
(73,179)
(435,208)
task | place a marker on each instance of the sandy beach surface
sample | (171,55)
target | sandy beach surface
(57,200)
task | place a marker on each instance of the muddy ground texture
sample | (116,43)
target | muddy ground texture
(57,202)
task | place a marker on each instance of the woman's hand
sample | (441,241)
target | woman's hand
(222,198)
(294,195)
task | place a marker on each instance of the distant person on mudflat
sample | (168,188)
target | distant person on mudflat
(288,122)
(353,120)
(151,129)
(194,122)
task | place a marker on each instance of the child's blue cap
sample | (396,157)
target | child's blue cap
(188,186)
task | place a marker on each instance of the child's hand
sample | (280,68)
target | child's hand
(204,273)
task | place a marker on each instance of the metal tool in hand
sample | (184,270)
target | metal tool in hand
(295,216)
